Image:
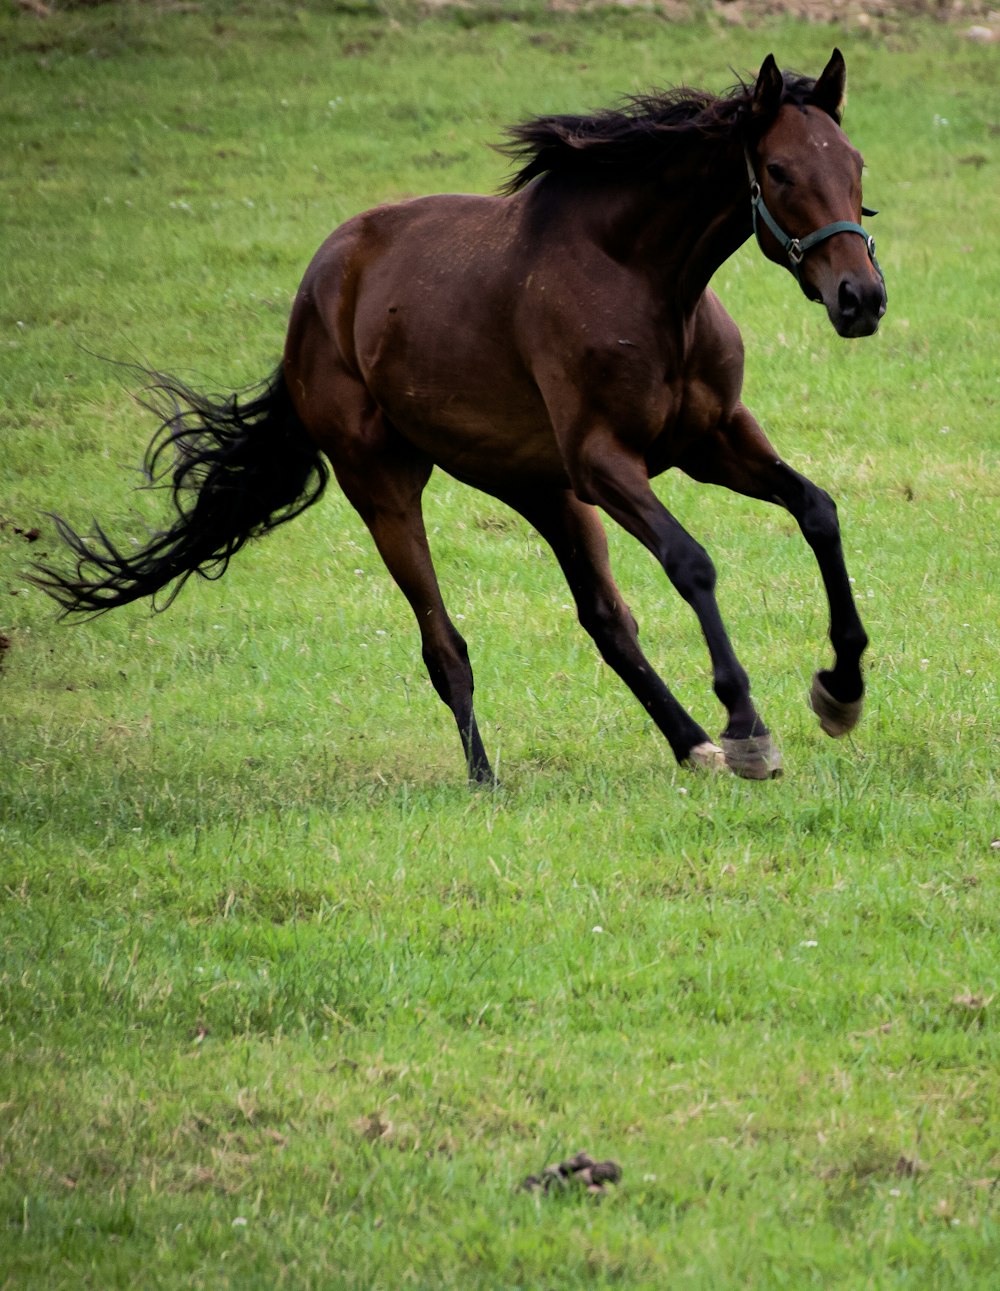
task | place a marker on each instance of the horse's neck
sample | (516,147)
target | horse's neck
(679,228)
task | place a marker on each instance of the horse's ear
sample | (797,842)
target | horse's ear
(768,90)
(830,91)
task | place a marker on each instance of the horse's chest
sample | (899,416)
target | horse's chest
(704,377)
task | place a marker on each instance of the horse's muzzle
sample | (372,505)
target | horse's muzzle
(859,306)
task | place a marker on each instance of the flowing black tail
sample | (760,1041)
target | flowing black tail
(236,468)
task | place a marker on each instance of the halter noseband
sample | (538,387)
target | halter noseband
(795,248)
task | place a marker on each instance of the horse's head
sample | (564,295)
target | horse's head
(805,184)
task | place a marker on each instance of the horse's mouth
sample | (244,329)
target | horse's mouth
(858,308)
(853,328)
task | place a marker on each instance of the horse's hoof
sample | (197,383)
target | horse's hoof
(755,758)
(836,718)
(706,757)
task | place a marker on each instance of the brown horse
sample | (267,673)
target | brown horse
(555,346)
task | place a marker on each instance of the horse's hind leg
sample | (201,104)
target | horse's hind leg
(576,535)
(740,457)
(383,477)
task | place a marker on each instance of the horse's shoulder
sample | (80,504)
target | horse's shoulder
(713,360)
(716,343)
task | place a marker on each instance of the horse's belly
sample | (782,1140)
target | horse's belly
(488,442)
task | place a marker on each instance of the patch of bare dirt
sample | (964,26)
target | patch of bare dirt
(858,10)
(982,17)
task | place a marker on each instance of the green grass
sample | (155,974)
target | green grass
(281,1002)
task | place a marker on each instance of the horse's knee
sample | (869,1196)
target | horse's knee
(689,567)
(820,523)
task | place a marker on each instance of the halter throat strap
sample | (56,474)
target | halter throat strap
(795,248)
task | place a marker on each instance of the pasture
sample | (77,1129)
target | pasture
(282,1001)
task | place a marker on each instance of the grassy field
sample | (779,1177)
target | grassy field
(282,1003)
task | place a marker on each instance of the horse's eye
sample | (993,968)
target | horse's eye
(778,173)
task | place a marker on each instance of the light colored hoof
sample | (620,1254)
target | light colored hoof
(706,757)
(754,759)
(834,717)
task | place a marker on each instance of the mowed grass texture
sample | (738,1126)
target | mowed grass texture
(282,1003)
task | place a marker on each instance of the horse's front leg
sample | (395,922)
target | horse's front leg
(739,456)
(608,474)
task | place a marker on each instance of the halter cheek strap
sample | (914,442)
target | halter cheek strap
(795,248)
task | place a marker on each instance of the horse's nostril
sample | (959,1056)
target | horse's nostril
(848,300)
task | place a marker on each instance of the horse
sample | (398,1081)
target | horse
(555,345)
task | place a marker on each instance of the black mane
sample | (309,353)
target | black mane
(634,135)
